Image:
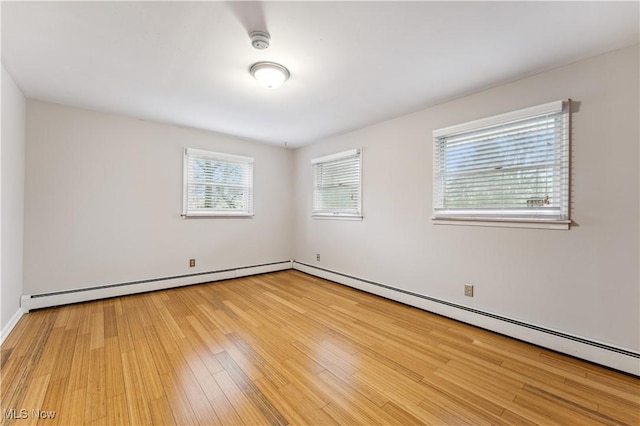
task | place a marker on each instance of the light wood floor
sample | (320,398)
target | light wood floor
(287,348)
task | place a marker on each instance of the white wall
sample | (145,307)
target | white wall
(12,152)
(104,198)
(583,282)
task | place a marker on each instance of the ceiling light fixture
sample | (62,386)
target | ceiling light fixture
(269,74)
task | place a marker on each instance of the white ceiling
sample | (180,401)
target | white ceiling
(352,63)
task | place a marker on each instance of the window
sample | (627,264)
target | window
(337,185)
(217,184)
(512,168)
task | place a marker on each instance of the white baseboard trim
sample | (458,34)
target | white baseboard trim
(618,358)
(37,301)
(6,330)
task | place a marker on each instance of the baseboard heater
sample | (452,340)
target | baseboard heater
(618,358)
(608,355)
(46,300)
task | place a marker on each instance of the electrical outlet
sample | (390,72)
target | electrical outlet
(468,290)
(192,263)
(318,257)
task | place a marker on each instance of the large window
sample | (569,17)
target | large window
(512,168)
(217,184)
(337,185)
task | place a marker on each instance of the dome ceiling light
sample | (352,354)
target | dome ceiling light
(269,74)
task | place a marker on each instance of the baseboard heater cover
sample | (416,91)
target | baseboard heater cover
(65,297)
(608,355)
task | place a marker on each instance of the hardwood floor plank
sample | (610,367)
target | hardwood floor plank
(242,404)
(113,368)
(288,348)
(451,413)
(550,410)
(53,399)
(110,322)
(80,363)
(95,404)
(135,390)
(398,367)
(161,412)
(249,389)
(143,361)
(398,388)
(579,409)
(305,382)
(73,407)
(97,330)
(62,317)
(419,363)
(34,397)
(480,381)
(206,332)
(284,302)
(481,401)
(200,372)
(512,418)
(621,405)
(117,413)
(178,401)
(603,391)
(241,314)
(269,370)
(400,416)
(124,337)
(50,353)
(339,415)
(352,401)
(326,359)
(158,352)
(291,410)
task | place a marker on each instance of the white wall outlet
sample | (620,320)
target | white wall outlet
(468,290)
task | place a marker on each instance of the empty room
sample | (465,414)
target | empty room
(322,213)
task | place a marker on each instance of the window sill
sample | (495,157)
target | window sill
(336,216)
(506,223)
(216,215)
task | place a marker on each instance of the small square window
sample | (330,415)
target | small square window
(337,185)
(217,184)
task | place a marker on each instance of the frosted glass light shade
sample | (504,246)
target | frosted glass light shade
(269,74)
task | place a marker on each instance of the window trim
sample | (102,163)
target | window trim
(332,214)
(231,158)
(540,222)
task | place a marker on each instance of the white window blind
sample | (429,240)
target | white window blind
(337,185)
(217,184)
(511,167)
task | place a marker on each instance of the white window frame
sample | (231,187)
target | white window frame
(194,154)
(321,212)
(531,216)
